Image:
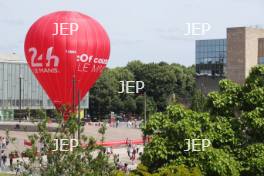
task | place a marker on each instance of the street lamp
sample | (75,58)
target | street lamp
(20,93)
(145,108)
(73,105)
(79,116)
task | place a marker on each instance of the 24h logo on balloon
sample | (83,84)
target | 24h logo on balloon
(66,52)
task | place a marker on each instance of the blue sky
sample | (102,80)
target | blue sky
(148,30)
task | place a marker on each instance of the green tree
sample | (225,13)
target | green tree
(233,122)
(170,170)
(86,159)
(199,101)
(162,81)
(102,94)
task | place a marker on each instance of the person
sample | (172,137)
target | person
(18,167)
(128,150)
(125,169)
(17,126)
(117,123)
(131,152)
(129,124)
(4,143)
(7,141)
(108,151)
(133,159)
(11,161)
(116,159)
(120,165)
(137,148)
(140,154)
(4,159)
(134,151)
(135,123)
(1,143)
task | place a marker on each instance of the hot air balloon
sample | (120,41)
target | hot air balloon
(67,52)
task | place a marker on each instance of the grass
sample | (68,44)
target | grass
(1,174)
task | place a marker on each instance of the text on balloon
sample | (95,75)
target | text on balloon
(65,28)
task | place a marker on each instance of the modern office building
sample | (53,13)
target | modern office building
(230,58)
(20,90)
(210,57)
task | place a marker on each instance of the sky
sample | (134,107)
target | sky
(146,30)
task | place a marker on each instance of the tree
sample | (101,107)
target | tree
(102,93)
(104,96)
(199,101)
(86,159)
(170,170)
(233,122)
(162,81)
(130,105)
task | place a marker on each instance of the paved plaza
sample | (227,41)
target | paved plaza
(91,130)
(112,134)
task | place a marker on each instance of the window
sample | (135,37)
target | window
(261,60)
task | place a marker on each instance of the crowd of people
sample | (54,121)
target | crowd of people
(133,123)
(117,124)
(133,152)
(4,142)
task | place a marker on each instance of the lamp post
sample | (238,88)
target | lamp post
(73,92)
(79,116)
(73,105)
(20,93)
(145,108)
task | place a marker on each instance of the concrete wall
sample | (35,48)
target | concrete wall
(242,52)
(252,38)
(207,84)
(236,54)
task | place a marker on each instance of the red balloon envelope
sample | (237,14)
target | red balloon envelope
(67,52)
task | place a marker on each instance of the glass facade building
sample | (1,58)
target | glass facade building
(231,58)
(210,57)
(18,81)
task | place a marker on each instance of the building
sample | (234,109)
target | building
(261,50)
(230,58)
(210,57)
(19,88)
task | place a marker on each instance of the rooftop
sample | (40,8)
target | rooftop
(11,58)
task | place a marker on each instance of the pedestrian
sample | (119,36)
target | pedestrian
(4,143)
(128,150)
(117,123)
(133,159)
(4,159)
(111,150)
(131,152)
(11,161)
(120,165)
(125,169)
(135,123)
(7,141)
(104,150)
(134,151)
(129,124)
(17,167)
(1,143)
(116,159)
(137,148)
(108,151)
